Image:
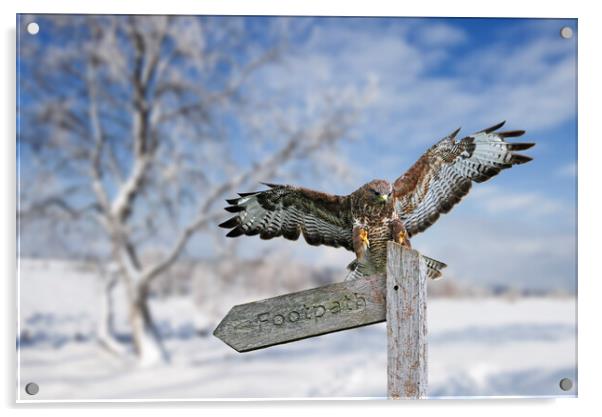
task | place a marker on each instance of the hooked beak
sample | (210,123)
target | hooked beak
(383,198)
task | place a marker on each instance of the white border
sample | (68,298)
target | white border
(467,8)
(590,152)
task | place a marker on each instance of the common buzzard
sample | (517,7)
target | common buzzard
(379,211)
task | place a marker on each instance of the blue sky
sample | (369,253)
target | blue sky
(429,76)
(420,79)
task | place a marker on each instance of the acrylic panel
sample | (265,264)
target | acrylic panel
(132,131)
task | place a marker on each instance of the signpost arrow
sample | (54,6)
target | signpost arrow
(304,314)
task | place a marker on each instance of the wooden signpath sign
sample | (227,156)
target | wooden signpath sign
(304,314)
(399,298)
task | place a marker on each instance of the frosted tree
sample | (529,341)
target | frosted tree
(131,130)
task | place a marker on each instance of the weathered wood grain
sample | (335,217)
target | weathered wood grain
(406,323)
(304,314)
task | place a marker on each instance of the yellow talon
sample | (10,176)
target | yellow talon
(401,237)
(364,237)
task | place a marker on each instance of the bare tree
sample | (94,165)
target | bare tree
(128,125)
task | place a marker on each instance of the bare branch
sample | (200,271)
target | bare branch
(57,200)
(295,146)
(200,222)
(143,149)
(95,162)
(122,203)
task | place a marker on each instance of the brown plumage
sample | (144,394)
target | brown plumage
(365,220)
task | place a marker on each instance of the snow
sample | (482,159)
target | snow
(477,347)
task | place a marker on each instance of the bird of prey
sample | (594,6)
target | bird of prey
(377,212)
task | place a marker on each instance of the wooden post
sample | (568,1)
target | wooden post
(406,323)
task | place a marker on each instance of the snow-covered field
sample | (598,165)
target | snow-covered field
(477,347)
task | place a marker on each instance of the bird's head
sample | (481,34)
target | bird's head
(379,190)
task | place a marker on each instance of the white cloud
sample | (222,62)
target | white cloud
(497,200)
(507,250)
(439,34)
(568,170)
(531,86)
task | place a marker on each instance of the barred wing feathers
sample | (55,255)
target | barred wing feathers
(287,211)
(444,174)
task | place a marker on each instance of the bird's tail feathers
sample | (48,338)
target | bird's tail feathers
(433,267)
(359,269)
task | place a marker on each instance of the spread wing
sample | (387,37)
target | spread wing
(444,174)
(283,210)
